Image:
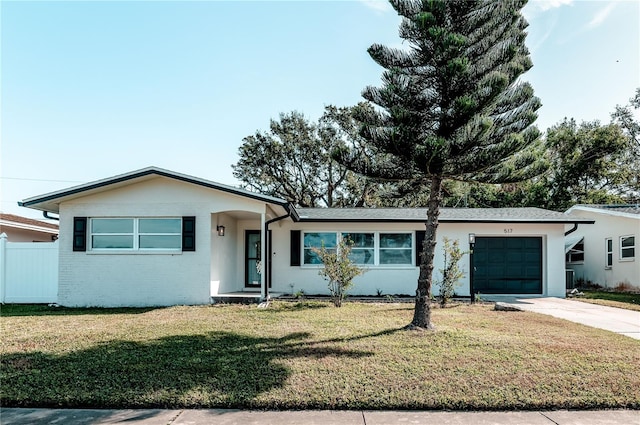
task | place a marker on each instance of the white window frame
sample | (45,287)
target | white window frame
(135,234)
(633,247)
(376,247)
(413,249)
(608,251)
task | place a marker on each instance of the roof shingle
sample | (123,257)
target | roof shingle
(29,221)
(452,215)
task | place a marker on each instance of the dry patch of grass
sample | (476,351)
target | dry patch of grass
(310,355)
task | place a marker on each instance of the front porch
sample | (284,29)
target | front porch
(240,247)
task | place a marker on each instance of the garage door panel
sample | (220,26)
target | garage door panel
(508,265)
(514,257)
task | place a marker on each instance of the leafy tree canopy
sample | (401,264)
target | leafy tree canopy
(293,161)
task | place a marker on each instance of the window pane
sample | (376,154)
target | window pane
(609,245)
(360,240)
(112,241)
(609,260)
(316,240)
(628,252)
(628,242)
(160,242)
(112,225)
(311,257)
(160,225)
(362,256)
(395,240)
(395,256)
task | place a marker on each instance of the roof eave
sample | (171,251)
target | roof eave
(43,202)
(442,220)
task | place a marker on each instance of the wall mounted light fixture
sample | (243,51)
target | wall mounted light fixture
(220,230)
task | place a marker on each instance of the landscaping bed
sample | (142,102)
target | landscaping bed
(311,355)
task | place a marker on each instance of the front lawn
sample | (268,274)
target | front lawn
(624,300)
(311,355)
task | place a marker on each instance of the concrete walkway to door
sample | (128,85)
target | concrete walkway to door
(618,320)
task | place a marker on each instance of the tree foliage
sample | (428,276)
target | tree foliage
(585,166)
(293,161)
(451,106)
(627,119)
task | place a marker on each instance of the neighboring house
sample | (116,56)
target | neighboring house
(156,237)
(605,253)
(23,229)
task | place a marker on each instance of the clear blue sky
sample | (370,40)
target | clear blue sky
(92,89)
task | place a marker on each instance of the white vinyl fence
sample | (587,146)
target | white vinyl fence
(28,271)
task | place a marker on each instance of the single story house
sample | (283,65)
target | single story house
(605,253)
(155,237)
(23,229)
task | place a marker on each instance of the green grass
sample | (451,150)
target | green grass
(624,300)
(311,355)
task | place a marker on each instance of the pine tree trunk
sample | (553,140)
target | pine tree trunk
(422,311)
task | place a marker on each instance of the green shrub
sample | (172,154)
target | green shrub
(338,269)
(451,274)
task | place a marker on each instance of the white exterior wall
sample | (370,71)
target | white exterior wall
(403,280)
(606,226)
(150,279)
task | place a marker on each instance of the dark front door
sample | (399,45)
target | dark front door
(507,265)
(252,250)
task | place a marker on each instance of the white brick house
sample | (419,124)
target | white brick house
(156,237)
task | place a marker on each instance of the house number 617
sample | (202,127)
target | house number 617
(508,230)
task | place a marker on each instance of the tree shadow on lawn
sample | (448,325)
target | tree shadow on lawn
(218,369)
(13,310)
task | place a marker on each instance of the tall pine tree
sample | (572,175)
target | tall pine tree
(451,106)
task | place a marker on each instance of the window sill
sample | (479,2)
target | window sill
(366,267)
(131,252)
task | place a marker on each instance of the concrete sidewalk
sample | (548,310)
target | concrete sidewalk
(618,320)
(312,417)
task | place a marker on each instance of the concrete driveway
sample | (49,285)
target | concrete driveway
(618,320)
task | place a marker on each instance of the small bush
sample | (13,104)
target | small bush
(339,270)
(451,274)
(625,287)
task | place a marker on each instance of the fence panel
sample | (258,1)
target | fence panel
(29,272)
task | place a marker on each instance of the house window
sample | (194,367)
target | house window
(627,248)
(395,248)
(369,248)
(608,245)
(316,241)
(576,254)
(136,234)
(363,247)
(112,233)
(159,233)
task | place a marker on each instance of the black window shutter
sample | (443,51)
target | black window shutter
(79,234)
(188,233)
(420,235)
(295,248)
